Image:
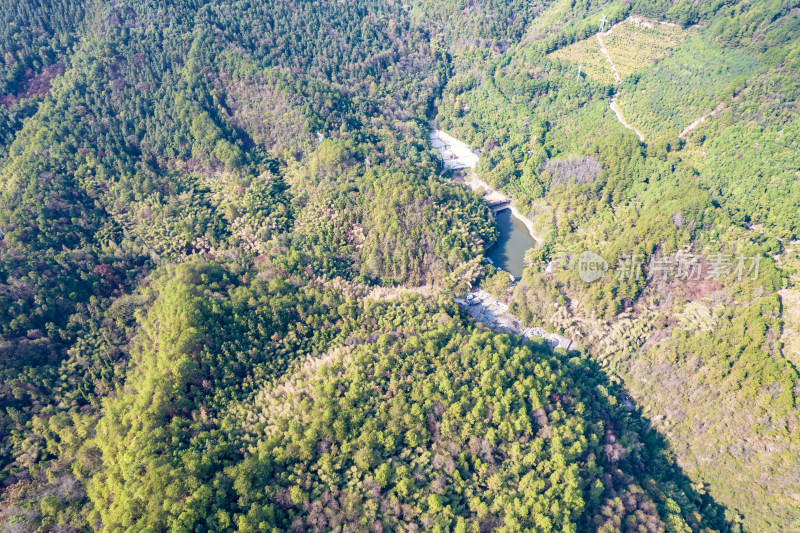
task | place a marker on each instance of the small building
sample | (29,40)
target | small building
(557,341)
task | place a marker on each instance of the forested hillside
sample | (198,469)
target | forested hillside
(205,203)
(715,174)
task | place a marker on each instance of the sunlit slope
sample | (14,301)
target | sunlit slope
(670,76)
(668,96)
(632,45)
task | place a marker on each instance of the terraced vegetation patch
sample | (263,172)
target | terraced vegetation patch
(669,95)
(587,53)
(633,45)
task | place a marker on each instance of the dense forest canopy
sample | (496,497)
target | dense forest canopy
(228,259)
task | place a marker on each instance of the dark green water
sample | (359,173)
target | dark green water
(514,241)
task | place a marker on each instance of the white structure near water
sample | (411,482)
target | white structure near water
(455,154)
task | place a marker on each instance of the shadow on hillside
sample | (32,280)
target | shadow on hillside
(653,463)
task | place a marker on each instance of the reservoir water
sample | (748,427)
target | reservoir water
(514,240)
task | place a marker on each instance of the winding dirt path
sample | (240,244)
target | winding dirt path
(608,57)
(616,110)
(693,126)
(618,79)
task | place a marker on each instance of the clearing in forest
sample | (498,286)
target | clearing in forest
(587,53)
(637,43)
(632,45)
